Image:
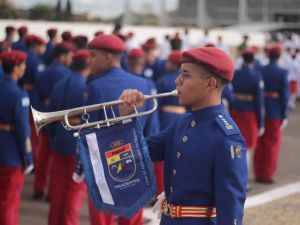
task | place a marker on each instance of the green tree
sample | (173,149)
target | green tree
(8,11)
(41,12)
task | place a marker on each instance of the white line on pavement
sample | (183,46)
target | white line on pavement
(272,195)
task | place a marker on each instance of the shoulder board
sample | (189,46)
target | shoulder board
(227,125)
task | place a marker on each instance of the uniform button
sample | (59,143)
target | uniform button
(174,172)
(178,155)
(171,189)
(193,123)
(184,139)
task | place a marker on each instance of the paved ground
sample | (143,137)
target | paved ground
(285,211)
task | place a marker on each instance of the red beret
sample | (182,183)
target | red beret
(52,31)
(35,39)
(100,32)
(149,44)
(255,49)
(22,29)
(214,59)
(136,53)
(81,55)
(10,28)
(276,48)
(209,45)
(175,57)
(13,57)
(248,51)
(65,45)
(107,42)
(66,35)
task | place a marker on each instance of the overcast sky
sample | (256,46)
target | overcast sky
(103,8)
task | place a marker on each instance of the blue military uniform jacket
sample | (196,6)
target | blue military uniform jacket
(34,66)
(48,79)
(275,79)
(19,45)
(169,106)
(66,94)
(109,87)
(15,146)
(248,82)
(1,71)
(48,55)
(205,165)
(156,70)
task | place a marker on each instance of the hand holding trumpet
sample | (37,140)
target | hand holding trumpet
(131,98)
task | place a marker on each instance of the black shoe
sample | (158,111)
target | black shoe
(38,195)
(272,181)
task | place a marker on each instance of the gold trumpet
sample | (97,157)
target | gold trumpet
(42,119)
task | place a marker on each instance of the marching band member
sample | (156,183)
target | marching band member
(248,107)
(204,152)
(67,195)
(15,146)
(108,84)
(276,103)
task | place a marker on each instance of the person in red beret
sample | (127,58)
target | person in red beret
(10,32)
(136,61)
(170,110)
(154,67)
(15,147)
(52,36)
(203,151)
(276,94)
(20,44)
(66,36)
(176,42)
(108,83)
(53,74)
(79,42)
(67,195)
(247,109)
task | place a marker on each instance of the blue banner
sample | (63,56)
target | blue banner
(117,168)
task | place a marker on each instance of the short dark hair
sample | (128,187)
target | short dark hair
(60,50)
(248,57)
(210,74)
(80,65)
(8,68)
(273,55)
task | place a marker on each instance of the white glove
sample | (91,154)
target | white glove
(28,169)
(261,131)
(78,178)
(157,207)
(284,123)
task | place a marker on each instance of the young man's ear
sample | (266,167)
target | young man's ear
(212,83)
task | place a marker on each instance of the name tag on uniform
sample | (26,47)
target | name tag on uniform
(117,168)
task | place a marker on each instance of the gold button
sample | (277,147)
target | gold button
(174,172)
(178,155)
(184,138)
(193,123)
(171,189)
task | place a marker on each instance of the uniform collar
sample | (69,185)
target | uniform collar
(209,111)
(9,79)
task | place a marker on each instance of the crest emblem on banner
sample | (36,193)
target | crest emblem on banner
(120,162)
